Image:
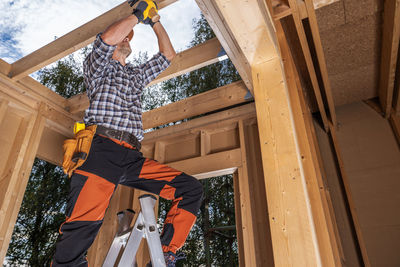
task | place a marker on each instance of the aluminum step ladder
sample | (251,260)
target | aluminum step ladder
(122,252)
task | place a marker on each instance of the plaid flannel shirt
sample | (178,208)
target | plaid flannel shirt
(115,91)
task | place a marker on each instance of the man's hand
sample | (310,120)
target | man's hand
(152,21)
(145,10)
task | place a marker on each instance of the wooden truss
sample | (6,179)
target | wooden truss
(284,214)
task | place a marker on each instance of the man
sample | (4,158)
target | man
(114,89)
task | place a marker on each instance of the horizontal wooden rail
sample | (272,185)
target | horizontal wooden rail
(191,59)
(212,100)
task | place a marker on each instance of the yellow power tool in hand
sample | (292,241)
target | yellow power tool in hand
(148,8)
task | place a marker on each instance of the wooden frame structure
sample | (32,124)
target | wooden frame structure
(284,210)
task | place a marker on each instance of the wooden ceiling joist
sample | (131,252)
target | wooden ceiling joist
(390,47)
(212,100)
(191,59)
(72,41)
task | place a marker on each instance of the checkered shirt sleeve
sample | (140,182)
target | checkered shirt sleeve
(153,67)
(97,60)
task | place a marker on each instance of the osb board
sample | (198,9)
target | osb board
(332,181)
(372,162)
(351,38)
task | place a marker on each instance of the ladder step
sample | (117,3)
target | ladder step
(128,238)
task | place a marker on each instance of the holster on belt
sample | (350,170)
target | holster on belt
(77,150)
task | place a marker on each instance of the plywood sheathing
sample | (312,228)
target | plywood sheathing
(351,38)
(337,194)
(372,162)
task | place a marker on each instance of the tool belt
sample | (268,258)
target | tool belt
(119,135)
(77,150)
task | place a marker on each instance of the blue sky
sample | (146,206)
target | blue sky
(26,25)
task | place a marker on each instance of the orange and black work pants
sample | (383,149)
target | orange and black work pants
(93,184)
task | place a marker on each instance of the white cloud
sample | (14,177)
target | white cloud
(34,23)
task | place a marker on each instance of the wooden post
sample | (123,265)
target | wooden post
(292,229)
(21,136)
(238,219)
(257,247)
(390,47)
(325,226)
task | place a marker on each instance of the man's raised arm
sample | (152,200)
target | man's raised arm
(117,31)
(164,43)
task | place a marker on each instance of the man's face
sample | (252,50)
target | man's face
(124,47)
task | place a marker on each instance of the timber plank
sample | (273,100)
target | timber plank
(198,166)
(324,227)
(212,100)
(238,218)
(390,47)
(321,57)
(292,229)
(224,35)
(13,183)
(5,68)
(191,59)
(395,122)
(308,59)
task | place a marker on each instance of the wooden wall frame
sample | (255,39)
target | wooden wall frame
(284,202)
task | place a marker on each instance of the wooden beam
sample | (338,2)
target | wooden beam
(72,41)
(5,68)
(397,100)
(255,225)
(224,35)
(212,100)
(230,115)
(323,219)
(199,166)
(395,123)
(191,59)
(15,174)
(308,59)
(238,219)
(22,95)
(3,109)
(292,228)
(321,57)
(390,47)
